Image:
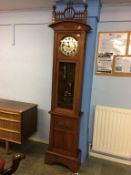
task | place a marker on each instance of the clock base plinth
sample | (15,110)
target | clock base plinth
(73,163)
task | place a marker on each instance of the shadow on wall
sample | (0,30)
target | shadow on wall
(43,126)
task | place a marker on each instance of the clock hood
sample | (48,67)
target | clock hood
(70,25)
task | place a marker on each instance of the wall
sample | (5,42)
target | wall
(93,16)
(26,62)
(107,90)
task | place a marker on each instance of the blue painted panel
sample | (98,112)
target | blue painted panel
(87,87)
(93,17)
(93,8)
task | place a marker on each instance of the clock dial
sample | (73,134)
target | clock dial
(69,46)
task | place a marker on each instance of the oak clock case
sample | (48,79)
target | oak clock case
(69,44)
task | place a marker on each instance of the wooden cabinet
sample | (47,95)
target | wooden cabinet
(18,120)
(70,30)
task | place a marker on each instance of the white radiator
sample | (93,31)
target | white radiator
(112,132)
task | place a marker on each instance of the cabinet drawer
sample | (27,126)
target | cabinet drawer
(11,125)
(10,136)
(10,116)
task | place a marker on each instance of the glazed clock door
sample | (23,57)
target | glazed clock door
(66,84)
(67,75)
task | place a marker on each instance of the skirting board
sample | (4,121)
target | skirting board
(93,154)
(39,139)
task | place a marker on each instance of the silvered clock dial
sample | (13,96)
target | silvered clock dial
(69,46)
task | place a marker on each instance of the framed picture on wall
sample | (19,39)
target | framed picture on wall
(129,50)
(122,65)
(109,45)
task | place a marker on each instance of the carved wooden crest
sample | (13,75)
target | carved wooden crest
(70,14)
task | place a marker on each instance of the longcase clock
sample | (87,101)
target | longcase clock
(70,31)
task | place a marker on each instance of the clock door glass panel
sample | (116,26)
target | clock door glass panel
(66,80)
